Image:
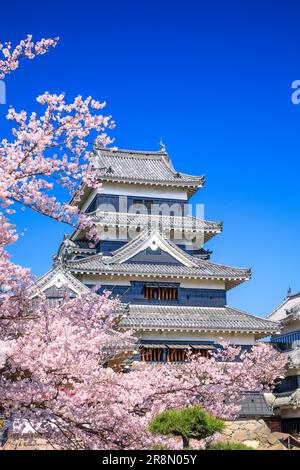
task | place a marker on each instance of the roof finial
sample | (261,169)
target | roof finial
(162,145)
(289,292)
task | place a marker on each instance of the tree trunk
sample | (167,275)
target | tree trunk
(185,442)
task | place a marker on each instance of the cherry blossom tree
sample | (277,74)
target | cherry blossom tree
(60,377)
(46,151)
(62,370)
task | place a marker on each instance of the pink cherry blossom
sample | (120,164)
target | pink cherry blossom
(62,371)
(25,49)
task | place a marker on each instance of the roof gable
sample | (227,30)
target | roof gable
(140,249)
(56,280)
(289,304)
(153,256)
(98,264)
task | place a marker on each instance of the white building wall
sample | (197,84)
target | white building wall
(144,191)
(293,325)
(234,338)
(185,283)
(122,189)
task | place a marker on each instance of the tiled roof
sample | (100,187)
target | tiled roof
(255,404)
(220,319)
(288,307)
(205,270)
(190,267)
(163,223)
(142,167)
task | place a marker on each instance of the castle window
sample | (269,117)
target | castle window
(153,353)
(172,352)
(160,293)
(176,353)
(149,293)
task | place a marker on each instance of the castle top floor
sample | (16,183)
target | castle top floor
(140,173)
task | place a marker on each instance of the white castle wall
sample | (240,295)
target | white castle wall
(234,338)
(143,190)
(185,283)
(293,325)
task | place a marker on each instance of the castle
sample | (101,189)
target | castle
(151,254)
(286,397)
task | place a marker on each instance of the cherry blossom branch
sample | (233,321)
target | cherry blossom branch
(25,49)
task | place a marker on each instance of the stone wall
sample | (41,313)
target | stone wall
(253,433)
(27,444)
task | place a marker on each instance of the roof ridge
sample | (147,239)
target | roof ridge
(132,152)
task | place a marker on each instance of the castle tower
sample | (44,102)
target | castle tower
(152,255)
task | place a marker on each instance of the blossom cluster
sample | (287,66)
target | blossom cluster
(25,49)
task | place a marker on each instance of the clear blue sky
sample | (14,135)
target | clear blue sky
(213,79)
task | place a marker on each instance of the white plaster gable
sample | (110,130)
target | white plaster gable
(153,241)
(58,277)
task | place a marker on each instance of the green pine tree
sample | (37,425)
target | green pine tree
(188,423)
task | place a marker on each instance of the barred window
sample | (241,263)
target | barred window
(160,293)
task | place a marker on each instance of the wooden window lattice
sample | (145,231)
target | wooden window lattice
(160,293)
(151,355)
(172,354)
